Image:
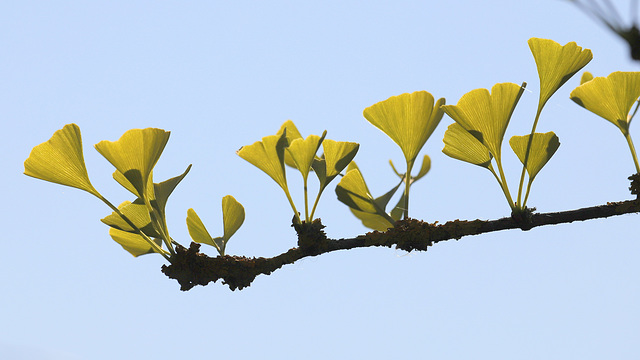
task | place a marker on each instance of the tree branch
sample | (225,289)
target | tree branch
(190,267)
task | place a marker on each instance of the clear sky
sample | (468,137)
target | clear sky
(223,74)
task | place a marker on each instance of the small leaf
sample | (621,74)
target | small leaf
(398,210)
(137,213)
(460,144)
(372,221)
(268,156)
(424,168)
(611,98)
(60,160)
(292,134)
(232,215)
(135,154)
(543,146)
(164,189)
(198,231)
(556,64)
(122,180)
(408,119)
(586,76)
(135,244)
(337,156)
(486,115)
(303,152)
(353,192)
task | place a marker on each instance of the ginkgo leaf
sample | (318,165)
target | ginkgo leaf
(353,192)
(556,64)
(198,231)
(398,210)
(543,146)
(408,119)
(60,160)
(586,76)
(137,213)
(268,156)
(122,180)
(292,134)
(372,221)
(337,156)
(135,244)
(135,154)
(611,98)
(164,189)
(460,144)
(486,115)
(303,152)
(232,215)
(424,168)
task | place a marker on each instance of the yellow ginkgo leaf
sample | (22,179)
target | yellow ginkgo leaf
(543,146)
(137,213)
(135,154)
(424,168)
(60,160)
(337,156)
(268,156)
(292,134)
(586,76)
(373,221)
(135,244)
(408,119)
(303,152)
(460,144)
(232,216)
(198,231)
(486,115)
(353,192)
(556,64)
(611,98)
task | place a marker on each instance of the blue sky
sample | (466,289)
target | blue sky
(220,75)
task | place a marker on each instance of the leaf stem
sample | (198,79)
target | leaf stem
(503,182)
(315,203)
(306,201)
(407,185)
(627,136)
(293,206)
(526,157)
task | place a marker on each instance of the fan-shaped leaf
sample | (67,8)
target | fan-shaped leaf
(292,133)
(135,154)
(198,231)
(137,213)
(372,221)
(543,147)
(232,216)
(408,119)
(353,192)
(556,64)
(460,144)
(486,115)
(60,160)
(586,76)
(424,168)
(303,152)
(268,156)
(337,155)
(611,98)
(135,244)
(165,188)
